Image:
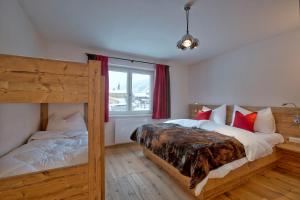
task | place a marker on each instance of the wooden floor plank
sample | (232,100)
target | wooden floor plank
(131,176)
(261,190)
(139,189)
(151,192)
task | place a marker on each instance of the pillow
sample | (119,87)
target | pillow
(218,115)
(264,123)
(203,115)
(74,122)
(244,121)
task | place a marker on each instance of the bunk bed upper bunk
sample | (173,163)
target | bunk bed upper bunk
(35,80)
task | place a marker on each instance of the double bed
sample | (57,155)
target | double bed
(221,159)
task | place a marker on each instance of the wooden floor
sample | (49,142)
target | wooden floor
(130,176)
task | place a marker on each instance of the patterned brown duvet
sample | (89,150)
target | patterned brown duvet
(193,151)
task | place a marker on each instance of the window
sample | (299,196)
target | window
(130,91)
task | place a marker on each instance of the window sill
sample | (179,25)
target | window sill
(129,115)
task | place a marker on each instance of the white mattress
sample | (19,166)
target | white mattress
(257,145)
(46,150)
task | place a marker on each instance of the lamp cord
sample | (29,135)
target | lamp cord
(187,20)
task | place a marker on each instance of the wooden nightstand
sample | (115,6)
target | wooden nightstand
(290,159)
(290,147)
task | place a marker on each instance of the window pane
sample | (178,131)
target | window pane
(118,94)
(141,89)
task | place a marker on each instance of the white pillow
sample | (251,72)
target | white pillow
(218,114)
(264,123)
(74,122)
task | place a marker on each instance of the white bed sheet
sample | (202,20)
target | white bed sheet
(46,150)
(257,145)
(271,138)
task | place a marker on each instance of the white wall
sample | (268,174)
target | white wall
(17,36)
(178,78)
(264,73)
(179,90)
(17,123)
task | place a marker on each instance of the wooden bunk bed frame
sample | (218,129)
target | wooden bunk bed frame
(35,80)
(214,187)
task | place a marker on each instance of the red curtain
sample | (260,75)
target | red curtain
(104,72)
(161,96)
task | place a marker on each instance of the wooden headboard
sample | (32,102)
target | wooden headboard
(283,117)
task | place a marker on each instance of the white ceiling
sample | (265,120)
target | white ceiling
(153,27)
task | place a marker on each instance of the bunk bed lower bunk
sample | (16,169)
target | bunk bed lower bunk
(46,150)
(34,80)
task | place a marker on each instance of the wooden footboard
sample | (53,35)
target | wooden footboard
(215,187)
(62,183)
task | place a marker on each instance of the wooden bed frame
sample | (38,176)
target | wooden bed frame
(34,80)
(215,187)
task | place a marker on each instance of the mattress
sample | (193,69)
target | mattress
(46,150)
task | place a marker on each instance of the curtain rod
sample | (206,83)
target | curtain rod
(130,60)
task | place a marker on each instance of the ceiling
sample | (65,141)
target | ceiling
(152,27)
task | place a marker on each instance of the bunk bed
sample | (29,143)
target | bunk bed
(35,80)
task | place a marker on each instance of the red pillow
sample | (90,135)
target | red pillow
(203,115)
(245,121)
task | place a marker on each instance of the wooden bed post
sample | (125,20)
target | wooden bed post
(85,111)
(44,116)
(96,133)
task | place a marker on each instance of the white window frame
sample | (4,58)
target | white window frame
(130,71)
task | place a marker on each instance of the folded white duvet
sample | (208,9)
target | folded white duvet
(257,145)
(46,150)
